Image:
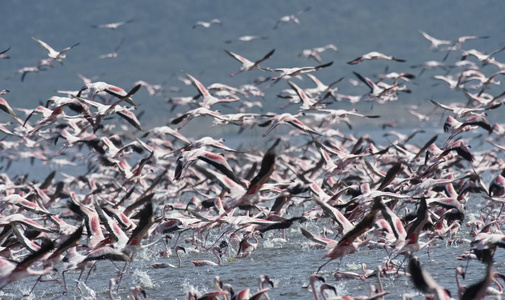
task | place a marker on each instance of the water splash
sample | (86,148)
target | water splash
(86,290)
(142,278)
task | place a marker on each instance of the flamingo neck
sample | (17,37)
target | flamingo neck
(255,238)
(498,284)
(217,256)
(178,258)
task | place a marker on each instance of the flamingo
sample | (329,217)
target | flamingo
(112,284)
(216,160)
(312,281)
(197,112)
(461,288)
(373,55)
(3,55)
(307,102)
(497,186)
(207,24)
(100,86)
(462,111)
(56,55)
(135,292)
(376,90)
(293,72)
(264,279)
(112,26)
(12,272)
(424,282)
(479,290)
(165,265)
(286,118)
(435,43)
(4,105)
(247,38)
(245,248)
(314,52)
(217,253)
(112,54)
(248,65)
(291,18)
(349,243)
(26,70)
(208,100)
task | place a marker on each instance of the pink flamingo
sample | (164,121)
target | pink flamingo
(165,265)
(248,65)
(374,55)
(112,26)
(56,55)
(293,72)
(208,100)
(217,253)
(286,118)
(349,243)
(100,86)
(12,272)
(435,43)
(207,24)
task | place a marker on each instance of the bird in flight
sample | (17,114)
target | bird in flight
(56,55)
(112,25)
(248,65)
(373,55)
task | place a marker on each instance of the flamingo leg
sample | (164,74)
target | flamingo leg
(319,269)
(121,275)
(64,282)
(36,282)
(89,273)
(79,278)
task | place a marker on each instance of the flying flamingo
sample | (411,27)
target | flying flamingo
(207,24)
(208,100)
(100,86)
(26,70)
(497,186)
(248,65)
(376,90)
(112,54)
(348,243)
(291,18)
(247,38)
(112,26)
(424,282)
(197,112)
(12,272)
(373,55)
(435,43)
(7,108)
(307,102)
(3,55)
(56,55)
(105,110)
(479,290)
(216,160)
(314,52)
(293,72)
(286,118)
